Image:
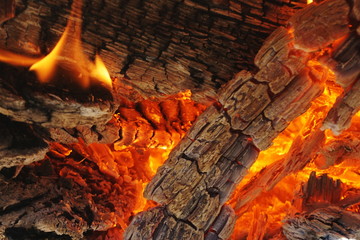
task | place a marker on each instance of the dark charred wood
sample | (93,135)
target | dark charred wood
(223,225)
(157,224)
(68,193)
(20,144)
(199,49)
(324,223)
(7,10)
(320,192)
(24,99)
(346,106)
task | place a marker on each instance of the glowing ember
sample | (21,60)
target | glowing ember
(273,205)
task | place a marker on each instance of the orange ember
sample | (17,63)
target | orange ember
(150,130)
(269,198)
(113,176)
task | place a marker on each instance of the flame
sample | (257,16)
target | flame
(100,71)
(276,203)
(66,57)
(310,1)
(68,54)
(16,59)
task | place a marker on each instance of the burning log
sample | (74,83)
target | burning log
(204,168)
(19,144)
(201,48)
(56,114)
(285,72)
(325,214)
(7,10)
(23,99)
(339,117)
(78,189)
(331,223)
(160,225)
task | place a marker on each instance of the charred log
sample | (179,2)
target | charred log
(20,144)
(331,223)
(7,10)
(202,47)
(248,106)
(58,104)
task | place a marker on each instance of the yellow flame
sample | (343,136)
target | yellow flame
(16,59)
(100,72)
(309,1)
(68,54)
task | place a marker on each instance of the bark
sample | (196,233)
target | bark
(55,105)
(7,10)
(20,144)
(324,223)
(251,111)
(161,47)
(223,142)
(78,189)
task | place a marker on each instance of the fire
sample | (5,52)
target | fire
(274,203)
(74,60)
(16,59)
(67,58)
(309,1)
(144,145)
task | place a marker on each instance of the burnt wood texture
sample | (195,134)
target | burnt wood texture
(252,110)
(201,50)
(162,47)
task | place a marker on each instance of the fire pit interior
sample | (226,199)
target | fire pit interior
(179,119)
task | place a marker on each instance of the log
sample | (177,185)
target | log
(346,106)
(233,128)
(67,194)
(199,49)
(300,153)
(58,104)
(81,190)
(331,223)
(223,142)
(20,144)
(7,10)
(338,150)
(157,224)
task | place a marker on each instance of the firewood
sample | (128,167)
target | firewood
(68,193)
(200,49)
(346,106)
(319,25)
(7,10)
(206,165)
(157,224)
(300,153)
(247,109)
(331,222)
(59,105)
(20,144)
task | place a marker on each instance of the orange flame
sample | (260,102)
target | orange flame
(309,1)
(68,54)
(16,59)
(276,203)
